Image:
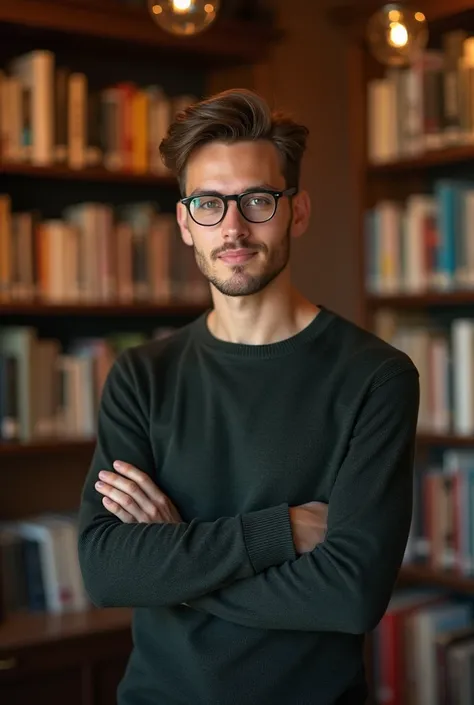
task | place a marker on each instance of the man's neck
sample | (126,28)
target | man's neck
(267,317)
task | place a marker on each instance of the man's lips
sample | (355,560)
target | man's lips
(237,256)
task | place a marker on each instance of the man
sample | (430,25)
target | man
(233,435)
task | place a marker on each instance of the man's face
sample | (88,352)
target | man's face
(238,257)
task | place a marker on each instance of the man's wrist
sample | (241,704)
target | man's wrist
(268,537)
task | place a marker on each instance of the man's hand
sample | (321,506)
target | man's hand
(133,497)
(309,525)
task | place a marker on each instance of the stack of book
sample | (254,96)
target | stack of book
(50,115)
(428,105)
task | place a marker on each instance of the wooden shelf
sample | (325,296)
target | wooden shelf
(95,174)
(423,575)
(239,42)
(20,630)
(434,298)
(430,160)
(56,446)
(444,440)
(38,308)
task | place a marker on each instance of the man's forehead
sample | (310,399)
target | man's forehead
(234,168)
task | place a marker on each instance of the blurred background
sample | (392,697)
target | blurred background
(90,263)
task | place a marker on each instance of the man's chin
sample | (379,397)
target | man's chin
(238,285)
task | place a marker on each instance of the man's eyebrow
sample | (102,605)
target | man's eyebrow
(204,192)
(212,192)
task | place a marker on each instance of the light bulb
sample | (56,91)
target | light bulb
(396,34)
(181,5)
(184,17)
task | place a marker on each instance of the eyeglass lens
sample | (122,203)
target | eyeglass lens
(256,207)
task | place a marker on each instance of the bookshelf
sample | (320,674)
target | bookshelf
(50,628)
(396,178)
(97,174)
(79,657)
(45,309)
(419,574)
(47,448)
(462,154)
(414,294)
(232,42)
(420,301)
(444,440)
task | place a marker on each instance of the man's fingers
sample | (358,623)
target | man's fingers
(129,487)
(143,480)
(124,499)
(136,493)
(119,511)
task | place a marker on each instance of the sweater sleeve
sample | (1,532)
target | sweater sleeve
(152,565)
(344,585)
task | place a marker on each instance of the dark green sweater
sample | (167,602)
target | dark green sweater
(235,434)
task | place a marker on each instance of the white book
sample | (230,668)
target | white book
(463,376)
(85,401)
(382,138)
(49,549)
(36,71)
(389,217)
(66,528)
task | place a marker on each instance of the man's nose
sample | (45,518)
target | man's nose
(234,225)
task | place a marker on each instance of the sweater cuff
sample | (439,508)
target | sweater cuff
(268,537)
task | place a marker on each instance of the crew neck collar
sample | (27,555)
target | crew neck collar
(268,350)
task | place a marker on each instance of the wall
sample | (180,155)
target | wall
(306,73)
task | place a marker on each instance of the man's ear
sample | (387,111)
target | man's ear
(182,218)
(301,208)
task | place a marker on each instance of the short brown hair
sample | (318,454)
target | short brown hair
(231,116)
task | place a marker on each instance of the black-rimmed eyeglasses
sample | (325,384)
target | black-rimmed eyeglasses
(209,209)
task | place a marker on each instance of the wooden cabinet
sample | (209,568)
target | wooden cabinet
(51,688)
(70,660)
(106,675)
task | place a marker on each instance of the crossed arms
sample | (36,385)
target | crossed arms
(245,569)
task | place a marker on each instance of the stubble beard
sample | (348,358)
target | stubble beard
(240,282)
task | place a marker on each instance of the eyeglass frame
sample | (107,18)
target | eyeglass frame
(237,197)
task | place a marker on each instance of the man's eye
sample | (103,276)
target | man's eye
(260,201)
(208,204)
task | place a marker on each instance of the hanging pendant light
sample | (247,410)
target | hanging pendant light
(184,17)
(396,34)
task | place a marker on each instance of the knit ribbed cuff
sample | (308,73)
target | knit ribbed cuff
(268,537)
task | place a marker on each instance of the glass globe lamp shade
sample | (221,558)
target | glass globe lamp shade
(184,17)
(396,34)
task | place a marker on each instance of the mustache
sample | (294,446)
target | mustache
(236,246)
